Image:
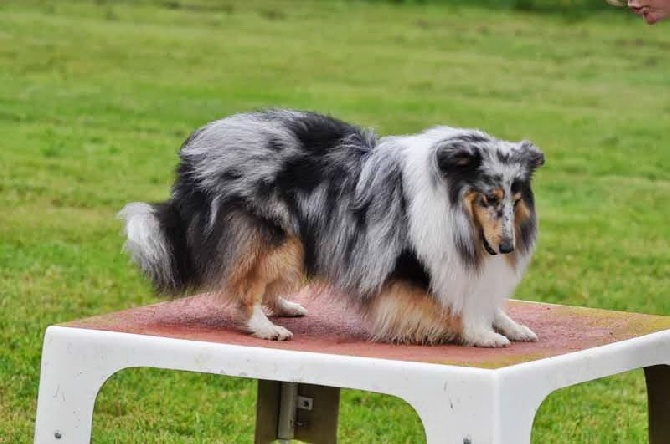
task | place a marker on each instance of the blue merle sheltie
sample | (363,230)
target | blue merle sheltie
(426,235)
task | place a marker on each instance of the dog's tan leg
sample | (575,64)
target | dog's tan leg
(254,318)
(285,265)
(247,284)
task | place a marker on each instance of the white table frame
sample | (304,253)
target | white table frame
(456,404)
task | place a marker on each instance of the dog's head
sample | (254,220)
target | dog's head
(490,180)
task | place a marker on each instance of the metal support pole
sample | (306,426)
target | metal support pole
(288,403)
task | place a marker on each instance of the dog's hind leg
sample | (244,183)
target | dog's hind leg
(260,326)
(253,269)
(249,290)
(285,264)
(255,319)
(284,307)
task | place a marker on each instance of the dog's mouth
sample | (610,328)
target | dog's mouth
(487,247)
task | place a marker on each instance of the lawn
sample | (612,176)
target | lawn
(96,98)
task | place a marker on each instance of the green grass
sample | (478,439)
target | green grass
(96,97)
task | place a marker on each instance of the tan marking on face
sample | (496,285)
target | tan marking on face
(521,214)
(407,314)
(490,224)
(469,202)
(521,211)
(499,193)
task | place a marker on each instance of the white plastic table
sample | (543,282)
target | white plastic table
(463,395)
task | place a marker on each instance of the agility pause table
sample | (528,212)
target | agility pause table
(463,395)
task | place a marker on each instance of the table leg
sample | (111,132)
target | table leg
(658,395)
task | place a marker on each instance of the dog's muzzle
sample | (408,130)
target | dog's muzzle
(505,247)
(488,248)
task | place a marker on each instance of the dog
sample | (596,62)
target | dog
(426,235)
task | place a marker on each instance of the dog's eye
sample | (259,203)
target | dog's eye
(516,201)
(492,200)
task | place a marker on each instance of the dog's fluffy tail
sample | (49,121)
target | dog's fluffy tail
(156,242)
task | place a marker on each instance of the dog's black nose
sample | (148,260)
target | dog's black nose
(506,247)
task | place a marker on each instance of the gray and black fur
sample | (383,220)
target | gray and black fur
(351,197)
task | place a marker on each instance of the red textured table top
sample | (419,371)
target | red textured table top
(330,328)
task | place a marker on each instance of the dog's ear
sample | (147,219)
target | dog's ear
(457,155)
(534,156)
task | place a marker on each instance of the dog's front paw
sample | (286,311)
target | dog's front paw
(520,333)
(485,338)
(272,332)
(513,330)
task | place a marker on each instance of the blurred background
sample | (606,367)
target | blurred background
(97,96)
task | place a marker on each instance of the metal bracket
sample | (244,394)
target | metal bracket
(291,410)
(305,403)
